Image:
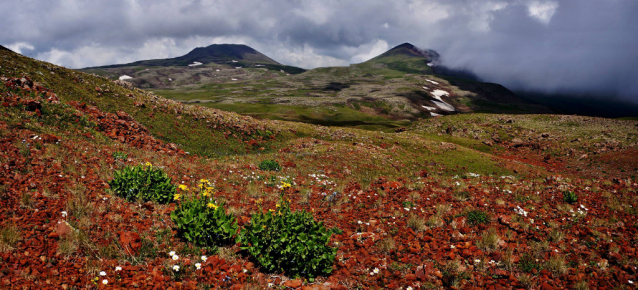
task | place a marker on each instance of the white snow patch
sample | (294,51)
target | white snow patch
(238,67)
(430,64)
(195,63)
(429,108)
(439,93)
(234,60)
(125,77)
(233,79)
(217,70)
(432,82)
(170,79)
(425,88)
(444,106)
(434,114)
(281,70)
(259,65)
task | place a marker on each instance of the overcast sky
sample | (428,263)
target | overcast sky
(549,45)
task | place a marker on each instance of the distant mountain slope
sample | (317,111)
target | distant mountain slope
(216,53)
(4,48)
(203,65)
(399,85)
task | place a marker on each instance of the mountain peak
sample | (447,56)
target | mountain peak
(411,50)
(4,48)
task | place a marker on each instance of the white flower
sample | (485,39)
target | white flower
(198,266)
(64,214)
(176,268)
(630,282)
(409,288)
(371,273)
(407,209)
(105,281)
(271,284)
(102,273)
(171,253)
(376,270)
(359,222)
(204,258)
(175,257)
(245,271)
(118,268)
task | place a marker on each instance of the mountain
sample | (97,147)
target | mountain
(201,65)
(4,48)
(388,91)
(216,53)
(84,161)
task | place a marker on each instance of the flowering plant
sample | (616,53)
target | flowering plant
(291,242)
(200,219)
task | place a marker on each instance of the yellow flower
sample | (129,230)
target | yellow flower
(177,196)
(201,185)
(271,210)
(148,164)
(259,201)
(183,187)
(212,205)
(285,185)
(277,205)
(203,180)
(206,193)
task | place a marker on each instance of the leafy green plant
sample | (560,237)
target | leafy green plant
(118,155)
(289,242)
(407,204)
(527,263)
(475,217)
(201,221)
(269,165)
(570,197)
(143,182)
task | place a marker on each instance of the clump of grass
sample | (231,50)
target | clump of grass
(26,200)
(416,223)
(556,264)
(508,259)
(556,235)
(489,240)
(386,245)
(581,285)
(9,237)
(227,253)
(527,281)
(453,272)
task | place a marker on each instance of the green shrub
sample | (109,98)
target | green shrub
(143,182)
(202,221)
(269,165)
(570,197)
(289,242)
(527,263)
(475,217)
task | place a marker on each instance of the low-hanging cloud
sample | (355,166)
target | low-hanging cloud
(581,46)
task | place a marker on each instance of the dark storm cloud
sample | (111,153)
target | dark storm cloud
(550,45)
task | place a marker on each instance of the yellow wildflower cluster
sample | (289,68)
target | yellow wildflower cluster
(206,188)
(183,187)
(285,185)
(148,164)
(177,196)
(212,205)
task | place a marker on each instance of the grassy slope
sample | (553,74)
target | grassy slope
(448,149)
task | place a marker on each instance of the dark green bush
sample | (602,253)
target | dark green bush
(269,165)
(289,242)
(143,182)
(203,222)
(475,217)
(570,197)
